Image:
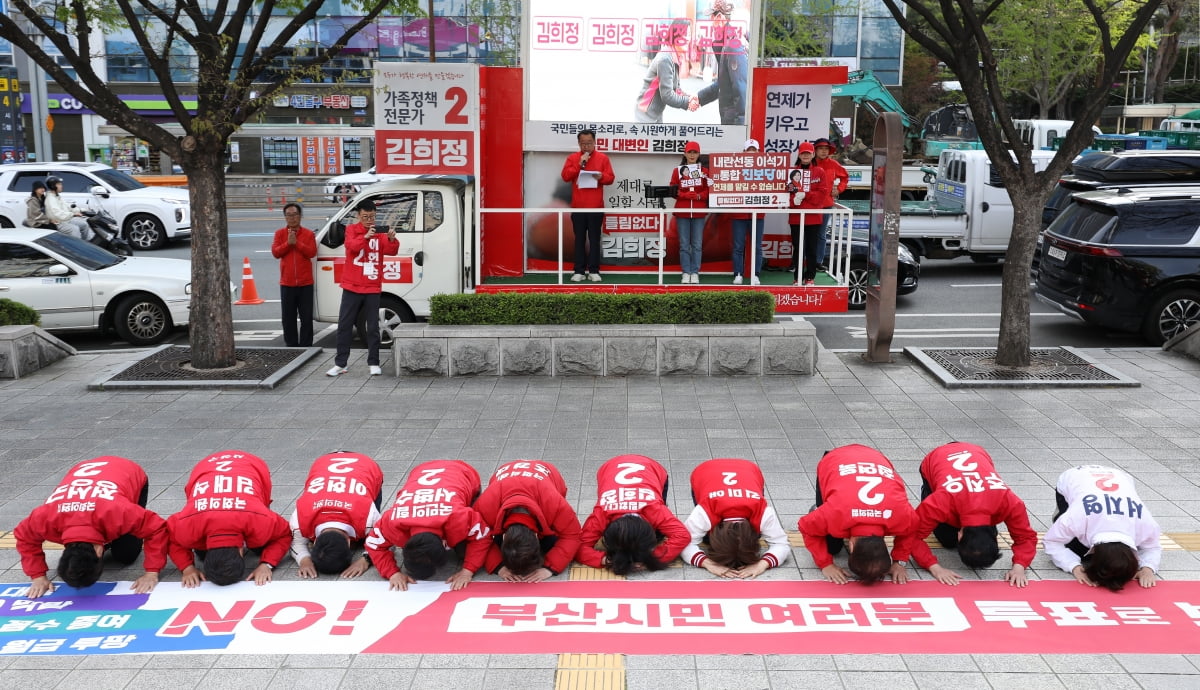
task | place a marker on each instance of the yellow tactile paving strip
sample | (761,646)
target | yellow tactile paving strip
(590,672)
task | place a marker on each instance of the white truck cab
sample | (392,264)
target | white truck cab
(434,218)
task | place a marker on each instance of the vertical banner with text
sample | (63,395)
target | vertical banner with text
(426,117)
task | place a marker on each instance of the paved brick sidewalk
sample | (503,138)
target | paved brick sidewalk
(50,421)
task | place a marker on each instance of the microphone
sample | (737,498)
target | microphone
(583,161)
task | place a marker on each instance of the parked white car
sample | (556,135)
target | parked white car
(150,216)
(76,285)
(341,188)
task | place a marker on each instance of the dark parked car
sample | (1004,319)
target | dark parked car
(908,270)
(1118,170)
(1127,260)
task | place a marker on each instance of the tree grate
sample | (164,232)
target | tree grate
(1045,365)
(175,364)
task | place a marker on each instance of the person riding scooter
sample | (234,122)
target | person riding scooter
(69,221)
(35,208)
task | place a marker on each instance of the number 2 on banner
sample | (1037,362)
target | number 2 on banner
(458,95)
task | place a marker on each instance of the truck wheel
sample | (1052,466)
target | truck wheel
(856,287)
(392,312)
(1172,314)
(141,320)
(145,231)
(344,193)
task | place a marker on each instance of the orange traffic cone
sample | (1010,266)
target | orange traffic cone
(249,292)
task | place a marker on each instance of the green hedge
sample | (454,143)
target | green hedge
(558,308)
(17,314)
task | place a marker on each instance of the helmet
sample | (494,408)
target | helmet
(53,181)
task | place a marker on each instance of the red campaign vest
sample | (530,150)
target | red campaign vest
(849,473)
(965,475)
(431,494)
(730,488)
(341,487)
(628,483)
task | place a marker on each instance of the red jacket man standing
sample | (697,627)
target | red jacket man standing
(588,171)
(962,501)
(227,511)
(860,498)
(432,513)
(535,532)
(362,281)
(337,509)
(99,505)
(630,514)
(295,246)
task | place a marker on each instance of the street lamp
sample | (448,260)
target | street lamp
(38,97)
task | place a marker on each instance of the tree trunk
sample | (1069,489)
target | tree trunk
(1012,348)
(211,332)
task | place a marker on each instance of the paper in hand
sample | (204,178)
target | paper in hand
(588,179)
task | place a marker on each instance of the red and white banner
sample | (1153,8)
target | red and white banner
(626,617)
(426,117)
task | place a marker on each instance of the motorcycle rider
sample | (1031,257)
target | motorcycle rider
(35,208)
(66,219)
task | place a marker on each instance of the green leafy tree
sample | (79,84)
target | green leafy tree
(1045,49)
(963,35)
(796,29)
(242,55)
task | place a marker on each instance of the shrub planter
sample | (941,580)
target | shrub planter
(761,349)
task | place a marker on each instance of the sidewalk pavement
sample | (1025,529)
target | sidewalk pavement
(50,421)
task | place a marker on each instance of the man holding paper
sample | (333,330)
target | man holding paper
(588,171)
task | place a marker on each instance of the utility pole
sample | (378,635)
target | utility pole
(36,77)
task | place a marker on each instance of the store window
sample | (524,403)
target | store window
(281,155)
(352,154)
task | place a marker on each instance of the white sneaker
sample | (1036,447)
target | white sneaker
(594,277)
(376,370)
(737,280)
(577,278)
(695,279)
(754,281)
(336,371)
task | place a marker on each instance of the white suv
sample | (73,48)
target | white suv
(149,215)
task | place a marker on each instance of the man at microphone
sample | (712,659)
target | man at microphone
(588,171)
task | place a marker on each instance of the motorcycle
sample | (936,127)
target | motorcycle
(103,224)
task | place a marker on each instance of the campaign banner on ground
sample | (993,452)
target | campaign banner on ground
(623,617)
(426,117)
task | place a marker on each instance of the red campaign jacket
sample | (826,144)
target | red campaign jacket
(96,502)
(436,497)
(631,484)
(228,497)
(592,197)
(537,486)
(363,270)
(816,185)
(692,199)
(709,490)
(862,496)
(340,487)
(295,261)
(834,171)
(967,492)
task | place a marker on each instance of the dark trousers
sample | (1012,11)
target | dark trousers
(587,234)
(1061,506)
(834,544)
(126,548)
(297,303)
(352,304)
(812,235)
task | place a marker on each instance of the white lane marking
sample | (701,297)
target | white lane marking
(986,285)
(860,333)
